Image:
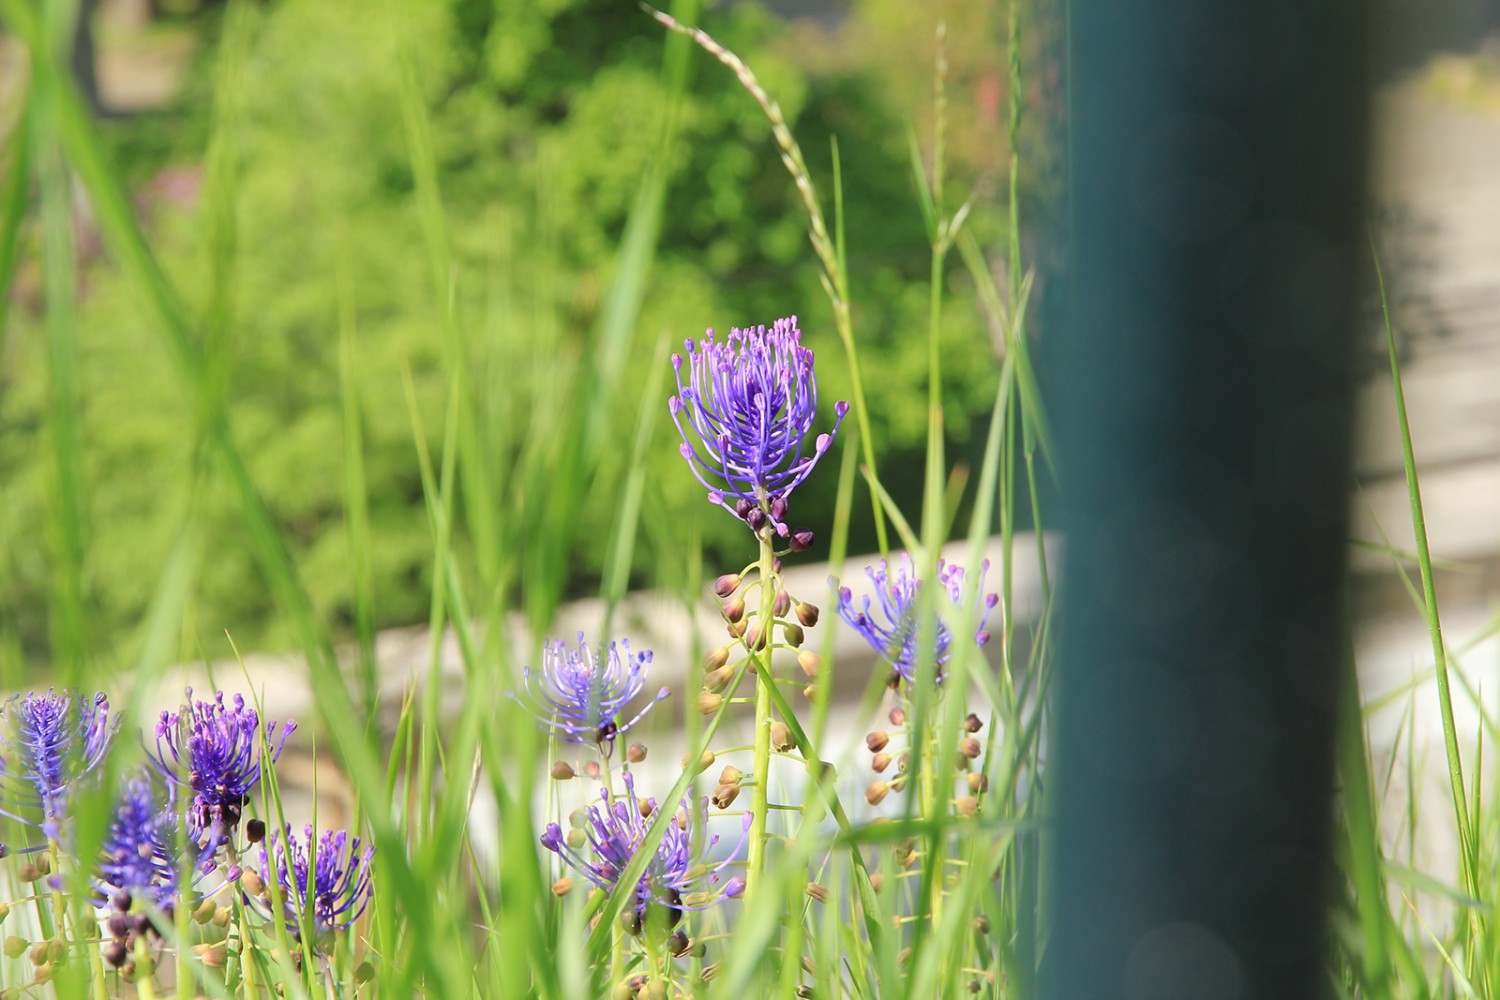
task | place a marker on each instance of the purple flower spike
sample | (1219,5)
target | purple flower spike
(893,630)
(339,873)
(140,851)
(679,876)
(220,749)
(749,403)
(58,740)
(577,696)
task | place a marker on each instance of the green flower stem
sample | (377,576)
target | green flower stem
(761,769)
(145,985)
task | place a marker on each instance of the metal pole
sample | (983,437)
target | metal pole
(1219,157)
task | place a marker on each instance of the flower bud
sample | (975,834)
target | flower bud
(877,741)
(15,947)
(221,917)
(562,771)
(967,806)
(818,892)
(972,723)
(38,953)
(736,630)
(778,508)
(975,986)
(802,540)
(755,637)
(363,973)
(4,911)
(734,610)
(781,604)
(29,872)
(726,585)
(645,807)
(562,886)
(742,508)
(898,783)
(756,519)
(807,614)
(718,680)
(810,691)
(724,795)
(979,782)
(115,954)
(808,661)
(678,944)
(631,921)
(577,838)
(716,658)
(635,753)
(251,882)
(904,761)
(705,762)
(793,634)
(731,775)
(709,702)
(781,736)
(981,924)
(881,762)
(591,770)
(970,747)
(255,831)
(876,792)
(898,716)
(205,911)
(877,880)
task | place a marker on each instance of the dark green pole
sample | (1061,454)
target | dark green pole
(1219,159)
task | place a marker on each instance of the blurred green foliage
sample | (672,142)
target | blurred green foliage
(544,117)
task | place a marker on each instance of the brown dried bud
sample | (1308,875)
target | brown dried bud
(679,944)
(4,911)
(635,753)
(781,736)
(737,629)
(645,806)
(904,761)
(716,658)
(562,771)
(818,892)
(709,702)
(808,661)
(967,806)
(43,974)
(734,610)
(215,956)
(877,881)
(38,953)
(881,762)
(898,783)
(807,614)
(970,747)
(975,986)
(591,770)
(251,882)
(726,585)
(979,782)
(562,886)
(877,741)
(29,872)
(793,634)
(222,916)
(705,761)
(898,716)
(205,911)
(972,723)
(810,691)
(724,796)
(876,792)
(682,820)
(731,775)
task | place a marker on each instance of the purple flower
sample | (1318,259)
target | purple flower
(141,848)
(678,876)
(221,750)
(577,696)
(893,630)
(328,891)
(58,740)
(749,403)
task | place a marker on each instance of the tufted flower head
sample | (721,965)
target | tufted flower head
(219,748)
(679,876)
(577,695)
(748,405)
(57,740)
(892,629)
(340,877)
(141,849)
